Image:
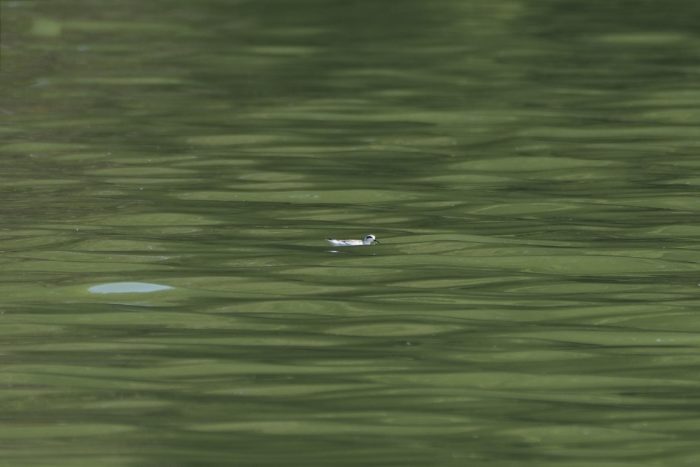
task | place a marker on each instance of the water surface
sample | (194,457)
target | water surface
(170,171)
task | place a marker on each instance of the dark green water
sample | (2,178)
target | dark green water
(530,167)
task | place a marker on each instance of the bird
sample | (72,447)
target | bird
(367,240)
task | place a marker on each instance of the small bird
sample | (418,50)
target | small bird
(368,239)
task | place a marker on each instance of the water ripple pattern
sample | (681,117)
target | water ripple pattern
(170,174)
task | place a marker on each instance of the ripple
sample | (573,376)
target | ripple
(128,287)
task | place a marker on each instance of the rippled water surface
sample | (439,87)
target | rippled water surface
(169,172)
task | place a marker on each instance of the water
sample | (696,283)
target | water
(170,172)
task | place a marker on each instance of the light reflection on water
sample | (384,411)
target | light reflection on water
(533,300)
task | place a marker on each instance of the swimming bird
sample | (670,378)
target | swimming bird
(368,239)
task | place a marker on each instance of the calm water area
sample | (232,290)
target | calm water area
(169,172)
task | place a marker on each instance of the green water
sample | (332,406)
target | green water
(530,167)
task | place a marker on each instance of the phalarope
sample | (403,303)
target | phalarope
(368,239)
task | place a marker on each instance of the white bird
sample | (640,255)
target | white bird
(368,239)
